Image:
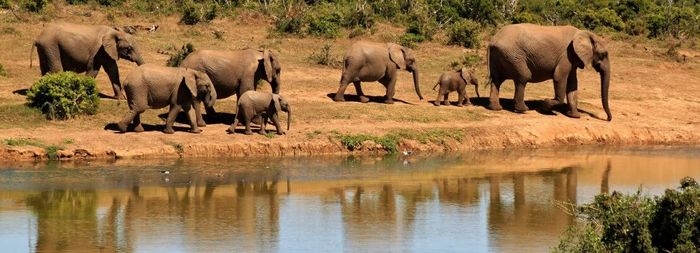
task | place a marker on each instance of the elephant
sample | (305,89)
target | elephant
(153,87)
(533,53)
(85,48)
(253,104)
(235,72)
(456,81)
(370,61)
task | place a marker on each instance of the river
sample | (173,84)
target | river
(487,201)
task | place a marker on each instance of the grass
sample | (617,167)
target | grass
(51,150)
(314,134)
(179,148)
(390,141)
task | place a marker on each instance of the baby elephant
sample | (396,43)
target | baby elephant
(456,80)
(256,103)
(154,87)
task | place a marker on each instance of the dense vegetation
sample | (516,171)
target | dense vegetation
(461,20)
(64,95)
(638,223)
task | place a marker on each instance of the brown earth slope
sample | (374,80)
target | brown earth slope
(654,100)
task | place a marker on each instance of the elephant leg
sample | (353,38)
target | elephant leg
(390,85)
(263,124)
(446,98)
(358,89)
(572,95)
(113,72)
(340,94)
(276,121)
(248,131)
(137,123)
(232,128)
(465,97)
(519,97)
(49,60)
(440,95)
(192,117)
(198,114)
(130,116)
(172,114)
(494,102)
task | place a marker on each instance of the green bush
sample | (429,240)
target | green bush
(109,3)
(289,25)
(4,4)
(465,33)
(64,95)
(75,2)
(638,223)
(411,40)
(176,59)
(35,5)
(324,57)
(3,72)
(190,15)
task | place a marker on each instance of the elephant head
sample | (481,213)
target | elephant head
(404,59)
(590,50)
(201,87)
(118,44)
(272,70)
(281,105)
(469,78)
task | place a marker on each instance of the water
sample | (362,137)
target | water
(502,201)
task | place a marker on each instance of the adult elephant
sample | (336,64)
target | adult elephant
(85,48)
(235,72)
(369,62)
(532,53)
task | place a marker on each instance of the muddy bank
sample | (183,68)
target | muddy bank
(554,134)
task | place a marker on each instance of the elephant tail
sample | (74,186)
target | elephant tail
(31,54)
(436,84)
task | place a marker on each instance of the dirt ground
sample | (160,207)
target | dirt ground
(654,99)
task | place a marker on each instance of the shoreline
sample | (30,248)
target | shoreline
(475,138)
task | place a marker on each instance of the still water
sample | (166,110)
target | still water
(502,201)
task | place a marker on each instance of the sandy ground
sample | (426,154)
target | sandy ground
(654,100)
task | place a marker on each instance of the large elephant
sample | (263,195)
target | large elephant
(153,87)
(532,53)
(235,72)
(456,80)
(369,62)
(85,48)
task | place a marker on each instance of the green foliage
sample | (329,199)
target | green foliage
(64,95)
(176,59)
(3,72)
(18,142)
(466,60)
(35,5)
(76,2)
(390,142)
(411,39)
(194,12)
(109,2)
(190,15)
(4,4)
(465,33)
(638,223)
(324,56)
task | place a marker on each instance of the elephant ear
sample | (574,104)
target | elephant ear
(267,62)
(396,54)
(583,47)
(465,74)
(190,81)
(109,43)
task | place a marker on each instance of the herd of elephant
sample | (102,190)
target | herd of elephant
(521,52)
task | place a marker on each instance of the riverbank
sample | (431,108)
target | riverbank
(653,98)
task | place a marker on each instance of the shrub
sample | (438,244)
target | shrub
(190,14)
(411,39)
(176,59)
(74,2)
(35,5)
(3,72)
(4,4)
(64,95)
(638,223)
(465,33)
(291,25)
(325,22)
(324,57)
(109,2)
(466,60)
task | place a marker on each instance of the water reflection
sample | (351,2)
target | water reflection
(454,203)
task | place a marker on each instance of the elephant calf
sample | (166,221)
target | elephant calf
(154,87)
(456,81)
(256,103)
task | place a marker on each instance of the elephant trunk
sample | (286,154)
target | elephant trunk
(604,87)
(211,97)
(275,84)
(416,83)
(139,61)
(289,117)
